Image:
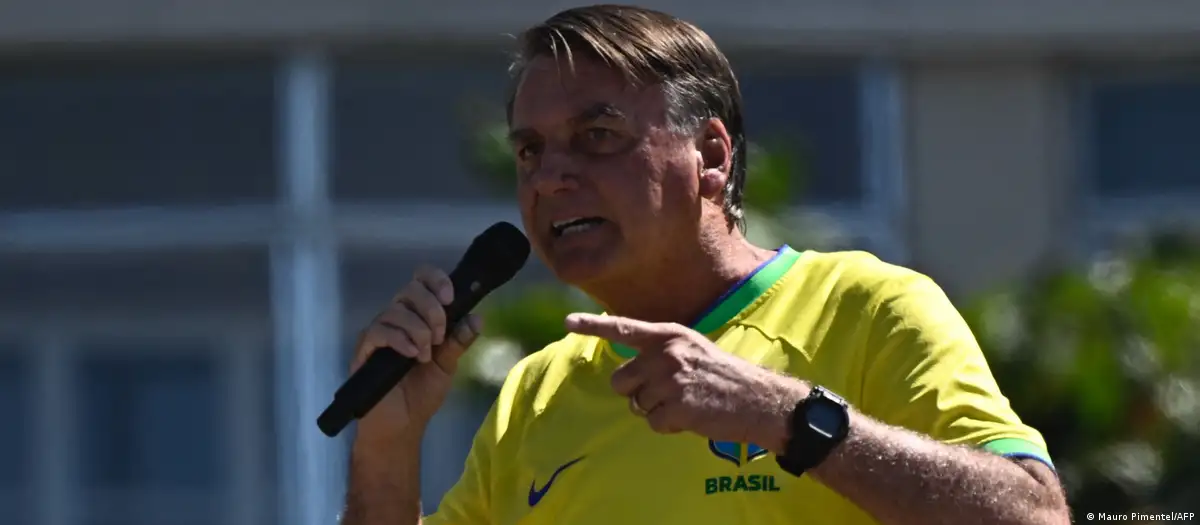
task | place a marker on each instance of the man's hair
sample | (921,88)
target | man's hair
(649,47)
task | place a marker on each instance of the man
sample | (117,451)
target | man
(727,383)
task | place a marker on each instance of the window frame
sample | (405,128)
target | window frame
(137,61)
(54,348)
(1106,218)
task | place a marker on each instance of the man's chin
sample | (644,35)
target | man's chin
(580,273)
(581,270)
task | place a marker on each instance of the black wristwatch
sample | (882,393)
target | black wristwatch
(819,423)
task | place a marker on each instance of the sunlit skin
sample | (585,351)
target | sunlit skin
(589,144)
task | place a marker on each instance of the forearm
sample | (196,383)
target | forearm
(901,477)
(384,485)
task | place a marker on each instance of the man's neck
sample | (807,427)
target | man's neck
(682,286)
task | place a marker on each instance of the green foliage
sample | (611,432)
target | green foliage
(1104,361)
(492,157)
(775,174)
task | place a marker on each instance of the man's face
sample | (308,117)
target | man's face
(606,188)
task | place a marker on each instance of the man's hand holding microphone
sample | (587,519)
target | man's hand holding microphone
(403,368)
(415,326)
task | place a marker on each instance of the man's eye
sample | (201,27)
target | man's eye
(600,134)
(526,151)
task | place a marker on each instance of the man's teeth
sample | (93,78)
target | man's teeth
(574,225)
(578,227)
(558,225)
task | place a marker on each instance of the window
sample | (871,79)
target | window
(400,125)
(147,339)
(15,403)
(156,439)
(817,110)
(1136,129)
(1141,137)
(151,420)
(110,134)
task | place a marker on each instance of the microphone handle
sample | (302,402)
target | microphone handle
(385,367)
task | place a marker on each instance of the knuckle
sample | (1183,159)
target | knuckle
(420,334)
(431,275)
(675,348)
(411,296)
(436,318)
(399,346)
(397,307)
(423,271)
(464,334)
(460,336)
(411,288)
(678,380)
(429,303)
(370,338)
(624,330)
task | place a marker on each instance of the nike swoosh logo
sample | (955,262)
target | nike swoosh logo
(535,494)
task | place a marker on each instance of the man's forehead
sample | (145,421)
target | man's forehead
(568,90)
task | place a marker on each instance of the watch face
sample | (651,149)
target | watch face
(825,418)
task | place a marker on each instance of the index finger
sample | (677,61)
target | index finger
(623,330)
(437,281)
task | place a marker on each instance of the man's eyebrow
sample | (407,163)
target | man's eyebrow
(593,112)
(597,110)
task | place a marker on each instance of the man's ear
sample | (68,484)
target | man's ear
(716,157)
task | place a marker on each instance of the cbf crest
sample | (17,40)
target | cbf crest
(737,453)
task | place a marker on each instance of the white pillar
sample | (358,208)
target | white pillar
(306,302)
(883,155)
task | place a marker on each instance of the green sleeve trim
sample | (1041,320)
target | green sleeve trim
(1017,448)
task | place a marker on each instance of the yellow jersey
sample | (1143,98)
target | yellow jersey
(560,447)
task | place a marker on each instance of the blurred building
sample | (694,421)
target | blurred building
(200,202)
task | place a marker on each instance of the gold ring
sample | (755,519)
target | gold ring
(635,407)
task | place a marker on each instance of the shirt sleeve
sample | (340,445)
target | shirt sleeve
(467,501)
(925,371)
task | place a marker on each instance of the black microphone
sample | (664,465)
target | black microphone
(493,258)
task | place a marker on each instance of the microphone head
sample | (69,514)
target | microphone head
(496,255)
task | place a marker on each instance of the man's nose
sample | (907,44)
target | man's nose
(558,171)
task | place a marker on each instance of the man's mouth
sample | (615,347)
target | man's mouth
(574,225)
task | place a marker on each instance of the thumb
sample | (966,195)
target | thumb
(458,341)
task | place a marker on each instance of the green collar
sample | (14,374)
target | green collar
(735,300)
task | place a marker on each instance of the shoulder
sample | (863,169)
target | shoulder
(903,317)
(883,300)
(859,279)
(860,272)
